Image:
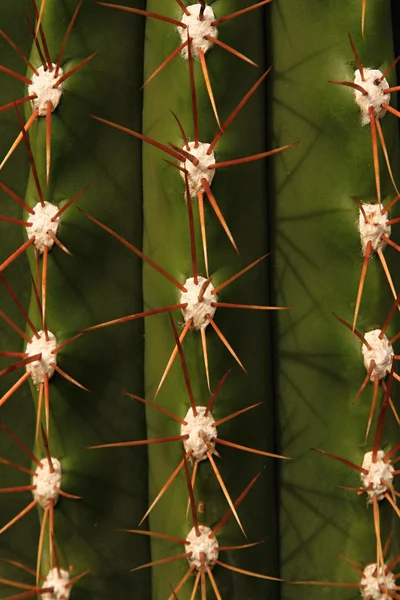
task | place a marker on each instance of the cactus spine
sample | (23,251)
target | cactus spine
(305,371)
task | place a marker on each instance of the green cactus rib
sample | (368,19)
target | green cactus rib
(318,262)
(113,487)
(240,192)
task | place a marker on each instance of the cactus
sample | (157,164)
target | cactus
(260,373)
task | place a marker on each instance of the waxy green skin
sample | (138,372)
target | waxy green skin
(112,484)
(318,262)
(240,192)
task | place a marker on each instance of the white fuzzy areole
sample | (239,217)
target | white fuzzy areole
(376,471)
(198,310)
(196,425)
(38,368)
(41,224)
(373,578)
(375,94)
(202,543)
(197,30)
(381,352)
(195,173)
(43,86)
(376,226)
(60,584)
(47,483)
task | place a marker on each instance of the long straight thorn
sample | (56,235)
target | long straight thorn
(228,514)
(136,251)
(140,137)
(19,136)
(191,229)
(218,212)
(73,70)
(218,42)
(193,92)
(216,392)
(357,333)
(225,341)
(17,253)
(30,154)
(191,494)
(222,285)
(361,283)
(163,489)
(240,12)
(19,516)
(173,356)
(225,491)
(66,36)
(184,367)
(165,63)
(15,75)
(144,13)
(247,159)
(236,110)
(206,76)
(134,317)
(49,107)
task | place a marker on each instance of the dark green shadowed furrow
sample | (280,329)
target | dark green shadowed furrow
(99,282)
(318,264)
(15,174)
(240,192)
